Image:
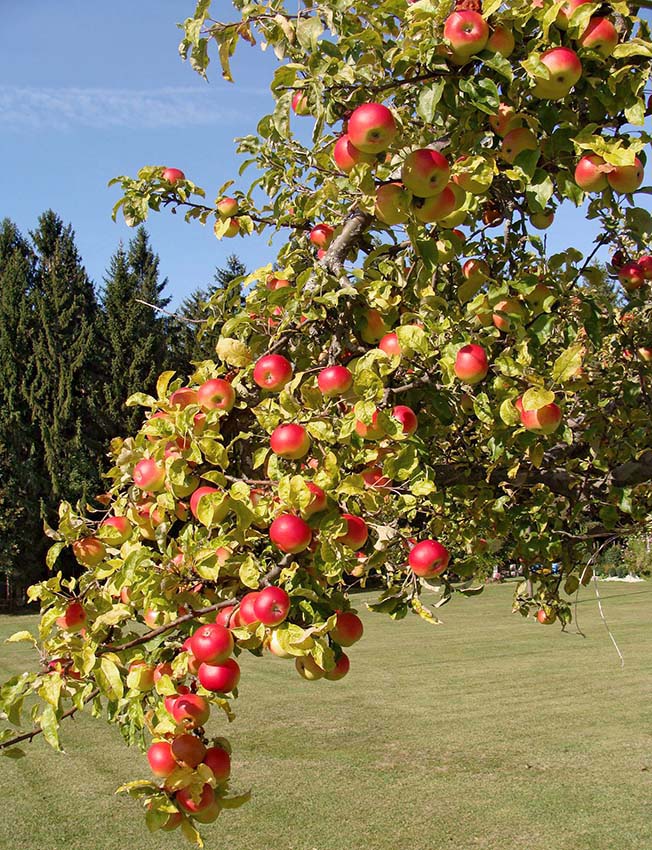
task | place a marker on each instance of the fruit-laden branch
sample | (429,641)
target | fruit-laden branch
(353,228)
(37,730)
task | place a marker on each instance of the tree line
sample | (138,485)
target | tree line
(71,353)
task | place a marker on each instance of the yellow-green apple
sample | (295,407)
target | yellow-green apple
(600,35)
(373,326)
(290,533)
(356,532)
(465,179)
(631,276)
(233,228)
(348,628)
(290,441)
(89,551)
(505,119)
(173,175)
(566,12)
(148,475)
(216,394)
(428,558)
(272,372)
(467,32)
(516,141)
(564,69)
(347,156)
(542,220)
(274,646)
(435,207)
(308,668)
(340,670)
(212,643)
(407,417)
(626,178)
(190,709)
(219,762)
(506,313)
(300,103)
(73,618)
(272,605)
(227,207)
(140,675)
(160,758)
(191,804)
(371,128)
(390,345)
(545,420)
(373,431)
(118,530)
(471,364)
(591,173)
(538,296)
(501,41)
(476,270)
(334,381)
(425,172)
(321,235)
(220,678)
(392,203)
(188,750)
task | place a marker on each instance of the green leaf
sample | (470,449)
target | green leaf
(50,726)
(536,397)
(53,553)
(249,573)
(21,636)
(568,363)
(108,679)
(428,100)
(233,351)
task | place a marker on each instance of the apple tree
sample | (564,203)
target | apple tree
(412,387)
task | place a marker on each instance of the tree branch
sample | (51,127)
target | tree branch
(29,736)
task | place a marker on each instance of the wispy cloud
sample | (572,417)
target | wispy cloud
(69,108)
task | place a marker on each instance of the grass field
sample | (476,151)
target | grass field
(489,733)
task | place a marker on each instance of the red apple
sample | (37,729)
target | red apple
(356,532)
(220,678)
(626,179)
(161,670)
(407,417)
(428,558)
(219,762)
(216,394)
(425,172)
(160,758)
(590,173)
(190,709)
(89,551)
(227,207)
(390,345)
(246,613)
(340,670)
(516,141)
(196,497)
(74,617)
(374,477)
(505,120)
(185,800)
(290,441)
(373,326)
(321,235)
(272,372)
(371,128)
(318,501)
(374,431)
(476,270)
(565,69)
(645,263)
(334,381)
(119,529)
(600,35)
(224,616)
(567,11)
(507,313)
(436,207)
(467,32)
(545,420)
(183,397)
(170,700)
(212,643)
(290,533)
(300,103)
(173,175)
(501,41)
(149,475)
(272,606)
(631,276)
(347,156)
(546,619)
(348,628)
(471,364)
(188,750)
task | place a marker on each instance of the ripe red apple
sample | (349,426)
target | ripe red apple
(546,619)
(272,372)
(227,207)
(89,551)
(471,364)
(590,173)
(74,617)
(374,431)
(290,441)
(545,420)
(272,606)
(164,669)
(566,12)
(318,501)
(501,41)
(631,276)
(467,32)
(160,758)
(220,678)
(392,204)
(428,558)
(374,477)
(149,475)
(371,128)
(505,120)
(425,172)
(645,263)
(347,156)
(224,616)
(188,750)
(212,643)
(300,103)
(390,345)
(219,762)
(507,313)
(516,141)
(334,381)
(190,709)
(196,498)
(407,417)
(435,207)
(216,394)
(185,800)
(172,698)
(321,235)
(173,175)
(348,628)
(600,35)
(565,70)
(173,821)
(476,270)
(119,529)
(340,670)
(183,397)
(356,532)
(290,533)
(626,179)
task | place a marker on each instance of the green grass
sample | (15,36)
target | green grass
(489,733)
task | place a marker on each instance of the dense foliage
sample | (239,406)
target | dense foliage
(396,397)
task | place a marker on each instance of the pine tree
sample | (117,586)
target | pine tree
(136,333)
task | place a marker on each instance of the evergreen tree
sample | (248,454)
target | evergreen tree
(136,334)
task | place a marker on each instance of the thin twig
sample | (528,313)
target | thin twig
(29,736)
(168,313)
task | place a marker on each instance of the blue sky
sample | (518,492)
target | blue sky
(89,91)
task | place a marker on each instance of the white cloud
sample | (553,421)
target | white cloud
(69,108)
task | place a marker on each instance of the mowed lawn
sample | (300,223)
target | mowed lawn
(487,733)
